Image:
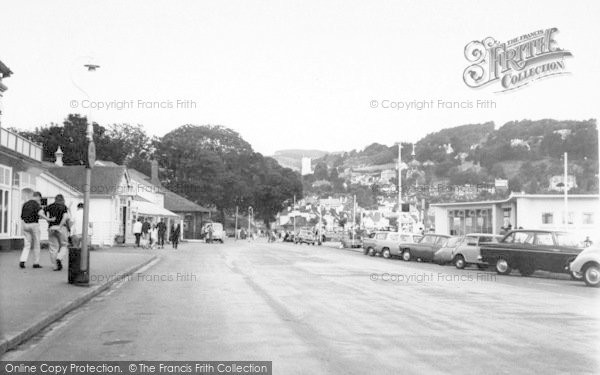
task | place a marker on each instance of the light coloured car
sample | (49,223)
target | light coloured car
(445,255)
(587,266)
(468,253)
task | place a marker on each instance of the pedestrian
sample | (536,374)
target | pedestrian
(137,231)
(146,230)
(587,242)
(175,233)
(31,212)
(76,225)
(162,229)
(209,233)
(154,237)
(58,231)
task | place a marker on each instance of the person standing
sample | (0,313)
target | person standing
(31,212)
(146,230)
(162,229)
(77,226)
(137,231)
(175,233)
(58,232)
(153,237)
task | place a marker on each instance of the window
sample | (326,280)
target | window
(520,238)
(393,237)
(547,218)
(544,239)
(429,239)
(5,187)
(588,218)
(380,236)
(571,217)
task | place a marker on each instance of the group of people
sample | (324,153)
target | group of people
(152,236)
(64,229)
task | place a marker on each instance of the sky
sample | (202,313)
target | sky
(284,74)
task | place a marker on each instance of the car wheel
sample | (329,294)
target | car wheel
(502,267)
(591,275)
(371,252)
(386,253)
(527,268)
(406,255)
(459,262)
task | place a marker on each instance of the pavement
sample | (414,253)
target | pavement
(323,310)
(32,299)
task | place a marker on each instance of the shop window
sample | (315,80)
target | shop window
(588,218)
(547,218)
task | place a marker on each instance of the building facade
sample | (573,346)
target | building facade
(528,211)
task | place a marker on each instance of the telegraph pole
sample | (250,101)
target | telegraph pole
(236,222)
(399,187)
(294,213)
(566,191)
(353,219)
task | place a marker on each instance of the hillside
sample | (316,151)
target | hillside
(528,153)
(293,158)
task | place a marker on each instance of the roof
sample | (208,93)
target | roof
(515,196)
(177,203)
(105,180)
(173,202)
(149,208)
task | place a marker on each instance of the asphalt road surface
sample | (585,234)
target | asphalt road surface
(321,310)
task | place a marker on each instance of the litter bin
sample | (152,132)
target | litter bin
(76,275)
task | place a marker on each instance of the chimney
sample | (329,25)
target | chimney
(154,176)
(59,155)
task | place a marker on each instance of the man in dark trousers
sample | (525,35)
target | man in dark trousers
(175,233)
(162,229)
(58,232)
(30,215)
(146,230)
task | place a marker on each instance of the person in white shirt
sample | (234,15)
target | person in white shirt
(76,226)
(137,231)
(153,237)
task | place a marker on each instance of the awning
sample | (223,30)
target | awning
(151,209)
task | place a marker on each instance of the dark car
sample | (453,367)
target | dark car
(424,249)
(531,250)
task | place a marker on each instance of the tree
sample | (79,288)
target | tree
(321,171)
(218,167)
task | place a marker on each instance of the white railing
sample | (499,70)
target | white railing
(20,144)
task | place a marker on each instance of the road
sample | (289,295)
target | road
(321,310)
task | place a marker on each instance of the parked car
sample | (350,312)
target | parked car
(468,252)
(386,243)
(531,250)
(445,254)
(305,236)
(424,248)
(368,243)
(349,242)
(212,232)
(587,266)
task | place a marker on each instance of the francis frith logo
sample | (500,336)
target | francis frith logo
(514,63)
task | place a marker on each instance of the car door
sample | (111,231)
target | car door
(423,248)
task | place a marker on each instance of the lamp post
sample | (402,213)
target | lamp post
(250,214)
(84,274)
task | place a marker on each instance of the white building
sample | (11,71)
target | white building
(529,211)
(306,167)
